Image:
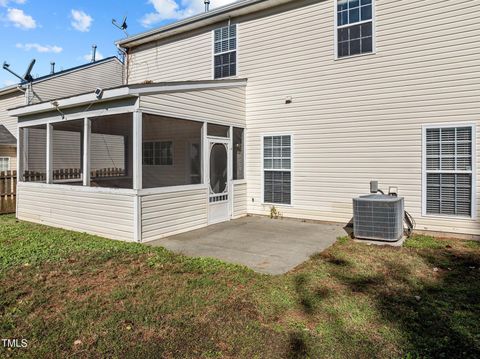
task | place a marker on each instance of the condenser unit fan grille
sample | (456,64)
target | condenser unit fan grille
(378,217)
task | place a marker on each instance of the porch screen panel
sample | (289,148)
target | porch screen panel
(218,130)
(238,154)
(35,153)
(67,152)
(171,152)
(111,160)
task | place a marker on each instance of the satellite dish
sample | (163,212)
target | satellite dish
(27,77)
(123,26)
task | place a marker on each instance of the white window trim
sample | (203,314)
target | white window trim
(473,172)
(159,141)
(9,162)
(292,149)
(224,52)
(336,27)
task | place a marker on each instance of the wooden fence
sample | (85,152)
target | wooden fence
(72,173)
(8,191)
(8,182)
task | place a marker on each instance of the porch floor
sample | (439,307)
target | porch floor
(265,245)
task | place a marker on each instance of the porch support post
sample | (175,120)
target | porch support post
(20,161)
(24,154)
(49,165)
(20,153)
(230,171)
(137,174)
(203,153)
(87,135)
(137,150)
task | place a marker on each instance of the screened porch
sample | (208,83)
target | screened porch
(155,161)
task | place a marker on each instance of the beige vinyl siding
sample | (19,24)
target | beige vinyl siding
(180,60)
(105,214)
(104,75)
(166,214)
(358,119)
(354,119)
(9,101)
(239,199)
(225,106)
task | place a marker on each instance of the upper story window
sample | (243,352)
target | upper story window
(354,27)
(225,52)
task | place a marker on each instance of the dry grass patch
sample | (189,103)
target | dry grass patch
(75,295)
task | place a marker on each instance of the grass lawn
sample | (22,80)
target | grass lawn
(77,295)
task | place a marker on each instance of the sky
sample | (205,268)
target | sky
(64,31)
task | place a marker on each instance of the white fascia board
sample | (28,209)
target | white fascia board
(123,92)
(69,102)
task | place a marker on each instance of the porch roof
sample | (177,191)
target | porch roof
(123,92)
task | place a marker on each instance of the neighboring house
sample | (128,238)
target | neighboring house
(292,104)
(8,150)
(103,73)
(10,97)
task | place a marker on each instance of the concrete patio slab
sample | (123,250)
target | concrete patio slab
(263,244)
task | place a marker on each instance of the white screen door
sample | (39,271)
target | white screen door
(219,163)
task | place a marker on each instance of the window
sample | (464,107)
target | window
(158,153)
(354,27)
(277,163)
(449,179)
(225,49)
(238,154)
(4,164)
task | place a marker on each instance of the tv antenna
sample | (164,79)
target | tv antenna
(25,78)
(123,26)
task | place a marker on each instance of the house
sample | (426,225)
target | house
(105,73)
(295,105)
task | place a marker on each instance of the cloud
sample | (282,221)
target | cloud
(88,57)
(81,21)
(4,3)
(175,10)
(21,20)
(40,48)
